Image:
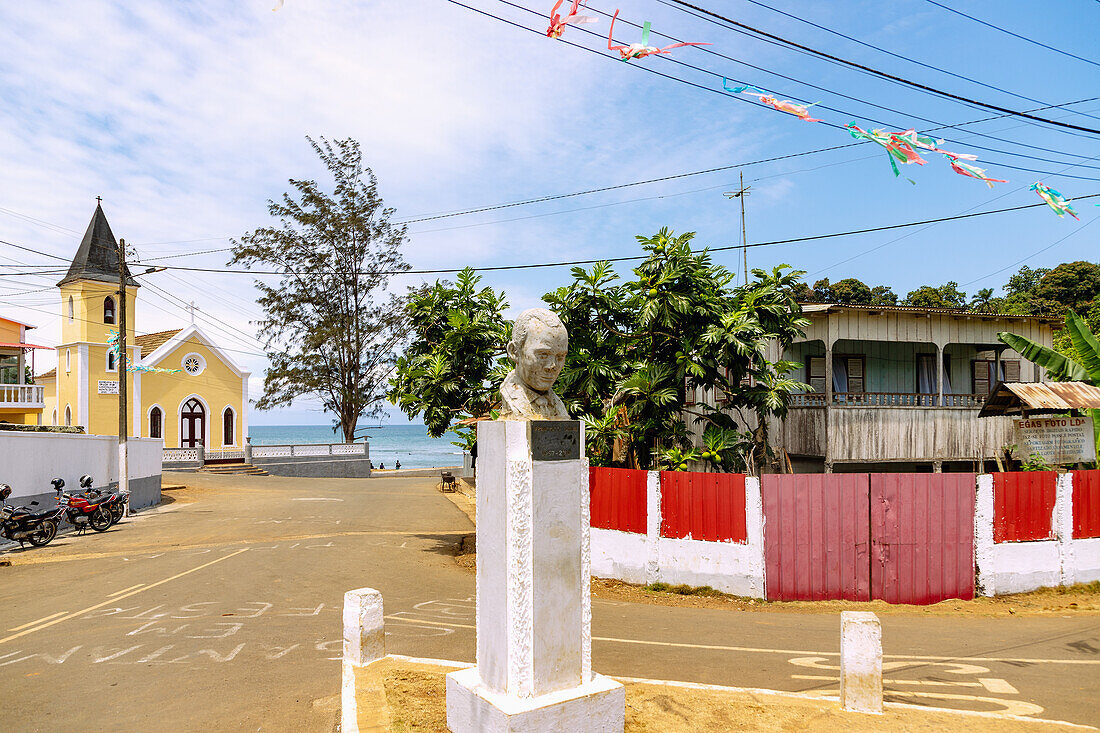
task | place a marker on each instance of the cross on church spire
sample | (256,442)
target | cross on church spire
(98,200)
(192,309)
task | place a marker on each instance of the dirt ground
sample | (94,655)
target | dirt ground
(1083,598)
(416,695)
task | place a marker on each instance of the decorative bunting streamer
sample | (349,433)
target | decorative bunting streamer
(643,49)
(971,171)
(898,149)
(558,23)
(798,110)
(112,342)
(1054,200)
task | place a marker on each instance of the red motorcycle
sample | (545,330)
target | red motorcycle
(83,510)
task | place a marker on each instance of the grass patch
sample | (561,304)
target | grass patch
(686,590)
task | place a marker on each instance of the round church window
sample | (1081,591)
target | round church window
(193,364)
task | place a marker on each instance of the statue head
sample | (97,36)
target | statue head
(538,347)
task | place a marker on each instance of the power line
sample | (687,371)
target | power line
(741,99)
(941,126)
(1015,35)
(902,56)
(883,74)
(642,257)
(1033,254)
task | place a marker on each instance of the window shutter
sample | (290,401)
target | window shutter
(723,395)
(980,376)
(817,374)
(689,392)
(1012,370)
(855,375)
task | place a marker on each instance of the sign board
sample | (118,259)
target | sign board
(108,386)
(555,440)
(1057,439)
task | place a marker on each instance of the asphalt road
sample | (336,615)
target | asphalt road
(221,612)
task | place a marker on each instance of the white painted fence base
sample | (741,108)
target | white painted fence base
(1019,567)
(598,706)
(860,662)
(364,642)
(731,567)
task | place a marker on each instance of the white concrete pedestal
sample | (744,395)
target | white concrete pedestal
(534,613)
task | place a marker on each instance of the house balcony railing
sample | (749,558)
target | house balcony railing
(29,396)
(888,399)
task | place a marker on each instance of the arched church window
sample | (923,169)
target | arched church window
(68,360)
(68,416)
(111,361)
(155,419)
(228,428)
(70,309)
(108,309)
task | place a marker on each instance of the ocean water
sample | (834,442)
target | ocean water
(409,444)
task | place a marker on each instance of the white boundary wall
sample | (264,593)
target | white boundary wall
(738,568)
(28,461)
(1018,567)
(731,567)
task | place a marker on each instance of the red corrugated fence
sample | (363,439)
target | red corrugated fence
(1086,504)
(816,536)
(922,530)
(618,499)
(703,506)
(1023,506)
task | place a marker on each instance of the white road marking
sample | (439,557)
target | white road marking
(124,590)
(717,647)
(990,684)
(38,621)
(65,617)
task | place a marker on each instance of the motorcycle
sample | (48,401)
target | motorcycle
(21,524)
(113,500)
(83,510)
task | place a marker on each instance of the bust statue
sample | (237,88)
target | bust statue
(538,348)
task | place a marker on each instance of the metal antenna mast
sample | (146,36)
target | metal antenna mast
(744,237)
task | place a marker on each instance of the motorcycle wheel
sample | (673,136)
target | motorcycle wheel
(117,511)
(101,519)
(45,534)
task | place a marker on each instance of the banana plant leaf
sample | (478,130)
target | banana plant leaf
(1060,368)
(1088,348)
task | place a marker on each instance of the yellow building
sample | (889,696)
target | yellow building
(20,403)
(205,402)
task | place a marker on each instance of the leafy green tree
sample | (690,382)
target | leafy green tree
(983,301)
(883,295)
(1058,366)
(852,292)
(1072,285)
(330,327)
(678,324)
(944,296)
(452,367)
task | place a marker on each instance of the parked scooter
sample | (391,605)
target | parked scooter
(84,510)
(21,524)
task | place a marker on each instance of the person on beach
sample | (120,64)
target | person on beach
(397,465)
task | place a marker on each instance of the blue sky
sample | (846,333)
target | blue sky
(187,117)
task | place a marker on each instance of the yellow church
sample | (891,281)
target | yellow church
(201,397)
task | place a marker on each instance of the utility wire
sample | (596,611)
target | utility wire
(883,74)
(1015,35)
(902,56)
(723,93)
(642,257)
(827,90)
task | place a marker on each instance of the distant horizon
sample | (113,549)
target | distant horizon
(328,425)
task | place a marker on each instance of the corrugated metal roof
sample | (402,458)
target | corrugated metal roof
(826,307)
(1014,397)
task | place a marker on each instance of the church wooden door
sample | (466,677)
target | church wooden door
(192,424)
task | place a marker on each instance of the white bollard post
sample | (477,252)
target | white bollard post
(364,627)
(860,662)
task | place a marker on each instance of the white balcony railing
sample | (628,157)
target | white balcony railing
(888,399)
(22,395)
